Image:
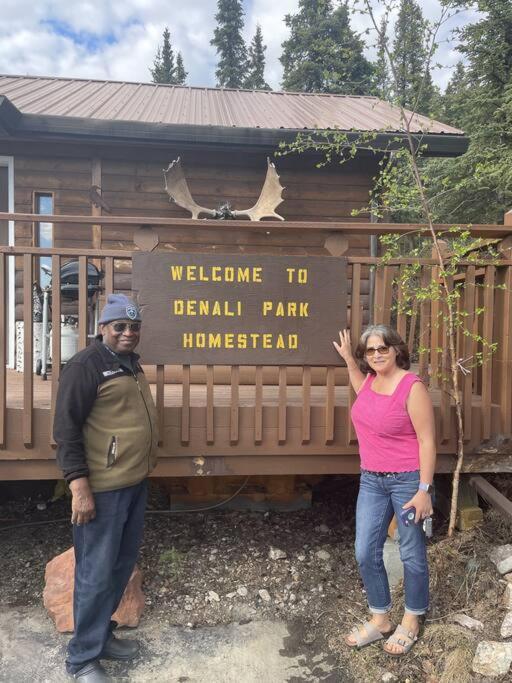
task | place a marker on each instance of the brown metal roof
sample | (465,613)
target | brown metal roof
(168,104)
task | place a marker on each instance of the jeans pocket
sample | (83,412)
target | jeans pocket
(408,477)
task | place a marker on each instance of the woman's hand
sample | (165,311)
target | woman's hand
(422,501)
(344,348)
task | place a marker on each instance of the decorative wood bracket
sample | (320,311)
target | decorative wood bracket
(97,199)
(145,238)
(336,244)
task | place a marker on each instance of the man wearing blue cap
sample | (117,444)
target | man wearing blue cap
(105,429)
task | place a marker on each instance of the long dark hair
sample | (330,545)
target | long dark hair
(390,337)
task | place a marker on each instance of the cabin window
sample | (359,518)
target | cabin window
(43,235)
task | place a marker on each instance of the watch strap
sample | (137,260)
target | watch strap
(428,488)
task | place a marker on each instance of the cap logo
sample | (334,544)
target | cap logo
(131,312)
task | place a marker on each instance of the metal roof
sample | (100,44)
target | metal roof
(194,106)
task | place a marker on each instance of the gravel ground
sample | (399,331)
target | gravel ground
(225,566)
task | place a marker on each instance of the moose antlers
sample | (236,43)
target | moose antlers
(269,199)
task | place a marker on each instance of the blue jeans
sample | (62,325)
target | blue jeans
(379,498)
(106,550)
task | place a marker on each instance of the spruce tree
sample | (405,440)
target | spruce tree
(323,53)
(227,38)
(414,86)
(382,75)
(256,70)
(163,65)
(181,74)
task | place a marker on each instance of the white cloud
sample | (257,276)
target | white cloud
(117,39)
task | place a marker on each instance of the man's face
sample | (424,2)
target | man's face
(122,336)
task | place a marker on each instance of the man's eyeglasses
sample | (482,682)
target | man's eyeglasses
(121,327)
(383,351)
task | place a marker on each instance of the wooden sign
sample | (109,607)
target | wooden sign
(232,309)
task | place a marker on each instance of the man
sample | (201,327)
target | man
(105,429)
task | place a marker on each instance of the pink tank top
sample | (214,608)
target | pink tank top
(387,440)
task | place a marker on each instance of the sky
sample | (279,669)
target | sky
(117,39)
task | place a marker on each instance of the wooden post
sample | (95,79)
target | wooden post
(502,363)
(95,209)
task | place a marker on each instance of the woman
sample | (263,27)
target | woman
(394,423)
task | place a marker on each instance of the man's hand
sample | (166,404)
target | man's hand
(82,503)
(422,501)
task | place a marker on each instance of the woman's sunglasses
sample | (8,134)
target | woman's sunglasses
(121,327)
(383,351)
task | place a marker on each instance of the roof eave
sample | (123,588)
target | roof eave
(136,132)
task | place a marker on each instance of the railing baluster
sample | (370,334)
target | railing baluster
(306,404)
(329,405)
(185,405)
(160,405)
(401,318)
(235,404)
(387,294)
(467,381)
(356,322)
(258,405)
(281,428)
(210,429)
(445,384)
(487,334)
(3,348)
(28,361)
(82,302)
(435,311)
(424,326)
(109,276)
(56,336)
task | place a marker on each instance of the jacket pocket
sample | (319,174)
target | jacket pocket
(112,452)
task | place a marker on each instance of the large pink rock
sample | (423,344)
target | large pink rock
(58,594)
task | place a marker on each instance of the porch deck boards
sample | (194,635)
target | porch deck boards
(222,394)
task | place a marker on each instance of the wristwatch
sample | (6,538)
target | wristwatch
(428,488)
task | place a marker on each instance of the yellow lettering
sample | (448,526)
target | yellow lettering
(302,276)
(254,339)
(293,341)
(229,340)
(191,307)
(202,276)
(303,309)
(214,341)
(280,309)
(200,340)
(256,274)
(204,307)
(178,306)
(177,272)
(280,342)
(216,308)
(290,272)
(242,341)
(239,308)
(267,307)
(188,340)
(229,274)
(216,276)
(243,275)
(291,309)
(267,341)
(191,273)
(227,311)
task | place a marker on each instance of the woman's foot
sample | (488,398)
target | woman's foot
(404,638)
(381,622)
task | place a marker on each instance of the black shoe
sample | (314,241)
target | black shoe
(120,649)
(92,673)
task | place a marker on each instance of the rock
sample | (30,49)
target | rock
(467,622)
(507,596)
(492,658)
(323,555)
(213,596)
(242,591)
(276,554)
(264,595)
(301,557)
(230,595)
(58,594)
(388,677)
(502,558)
(508,577)
(506,627)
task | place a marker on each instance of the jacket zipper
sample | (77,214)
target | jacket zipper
(149,418)
(112,452)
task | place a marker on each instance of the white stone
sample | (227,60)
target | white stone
(508,577)
(388,677)
(264,595)
(242,591)
(213,596)
(506,627)
(467,622)
(507,596)
(492,658)
(276,554)
(230,595)
(323,555)
(301,558)
(502,558)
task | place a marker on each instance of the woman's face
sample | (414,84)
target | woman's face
(381,357)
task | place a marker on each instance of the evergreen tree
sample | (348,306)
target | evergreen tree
(227,38)
(382,76)
(256,70)
(181,74)
(456,97)
(323,53)
(414,86)
(163,66)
